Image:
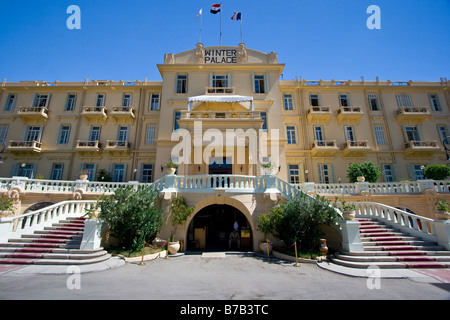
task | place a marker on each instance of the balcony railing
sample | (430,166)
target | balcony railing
(95,113)
(356,147)
(25,146)
(219,90)
(115,145)
(317,113)
(413,113)
(123,113)
(229,115)
(33,113)
(353,114)
(324,147)
(92,146)
(422,146)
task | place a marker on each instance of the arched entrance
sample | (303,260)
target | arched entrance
(210,229)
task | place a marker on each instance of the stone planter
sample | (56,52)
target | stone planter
(83,177)
(171,170)
(442,215)
(349,215)
(323,247)
(174,247)
(360,178)
(263,247)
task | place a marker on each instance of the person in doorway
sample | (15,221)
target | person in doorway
(235,239)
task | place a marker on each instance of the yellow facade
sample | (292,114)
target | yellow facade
(57,129)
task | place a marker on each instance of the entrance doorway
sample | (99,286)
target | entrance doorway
(220,166)
(211,227)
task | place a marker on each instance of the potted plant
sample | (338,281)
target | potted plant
(171,167)
(442,210)
(268,168)
(348,210)
(84,174)
(180,213)
(265,226)
(360,172)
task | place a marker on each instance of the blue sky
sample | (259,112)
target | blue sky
(316,39)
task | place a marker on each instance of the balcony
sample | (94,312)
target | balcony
(24,146)
(222,119)
(422,147)
(117,146)
(94,114)
(219,90)
(324,147)
(33,114)
(356,148)
(88,146)
(318,114)
(349,114)
(123,114)
(417,114)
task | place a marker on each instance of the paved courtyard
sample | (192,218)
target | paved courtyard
(230,277)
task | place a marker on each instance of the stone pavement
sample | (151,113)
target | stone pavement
(220,277)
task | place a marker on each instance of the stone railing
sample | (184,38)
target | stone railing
(37,220)
(419,186)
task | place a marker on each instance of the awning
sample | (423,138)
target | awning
(220,99)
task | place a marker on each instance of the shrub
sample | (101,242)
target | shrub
(299,220)
(180,212)
(437,172)
(366,169)
(129,210)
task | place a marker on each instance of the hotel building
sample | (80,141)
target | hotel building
(124,130)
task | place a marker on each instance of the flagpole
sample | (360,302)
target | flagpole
(221,9)
(241,29)
(201,22)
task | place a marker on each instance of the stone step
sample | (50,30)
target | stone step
(390,265)
(66,262)
(59,256)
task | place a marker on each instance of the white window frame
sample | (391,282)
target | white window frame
(312,97)
(403,100)
(155,101)
(294,173)
(380,137)
(10,102)
(181,85)
(63,135)
(349,132)
(127,100)
(147,178)
(343,100)
(325,173)
(56,171)
(119,172)
(373,102)
(94,133)
(319,133)
(70,102)
(291,134)
(288,102)
(150,134)
(100,100)
(41,100)
(434,102)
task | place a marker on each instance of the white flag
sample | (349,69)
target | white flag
(199,13)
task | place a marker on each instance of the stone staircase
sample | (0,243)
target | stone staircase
(386,247)
(55,245)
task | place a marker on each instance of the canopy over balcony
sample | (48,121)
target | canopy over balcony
(220,99)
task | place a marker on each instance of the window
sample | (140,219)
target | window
(63,136)
(147,173)
(434,100)
(264,117)
(388,173)
(373,102)
(412,133)
(314,100)
(10,102)
(416,172)
(150,135)
(441,129)
(319,136)
(290,134)
(3,133)
(24,170)
(154,102)
(33,134)
(343,100)
(379,134)
(70,103)
(126,100)
(349,134)
(94,135)
(100,100)
(325,173)
(57,170)
(259,83)
(181,83)
(288,102)
(403,100)
(294,173)
(119,173)
(122,133)
(90,168)
(40,100)
(219,81)
(177,116)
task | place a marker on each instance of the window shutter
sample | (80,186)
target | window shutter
(14,170)
(211,75)
(266,83)
(395,175)
(331,173)
(253,81)
(47,104)
(229,85)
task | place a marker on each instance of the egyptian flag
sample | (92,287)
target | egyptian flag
(216,8)
(236,16)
